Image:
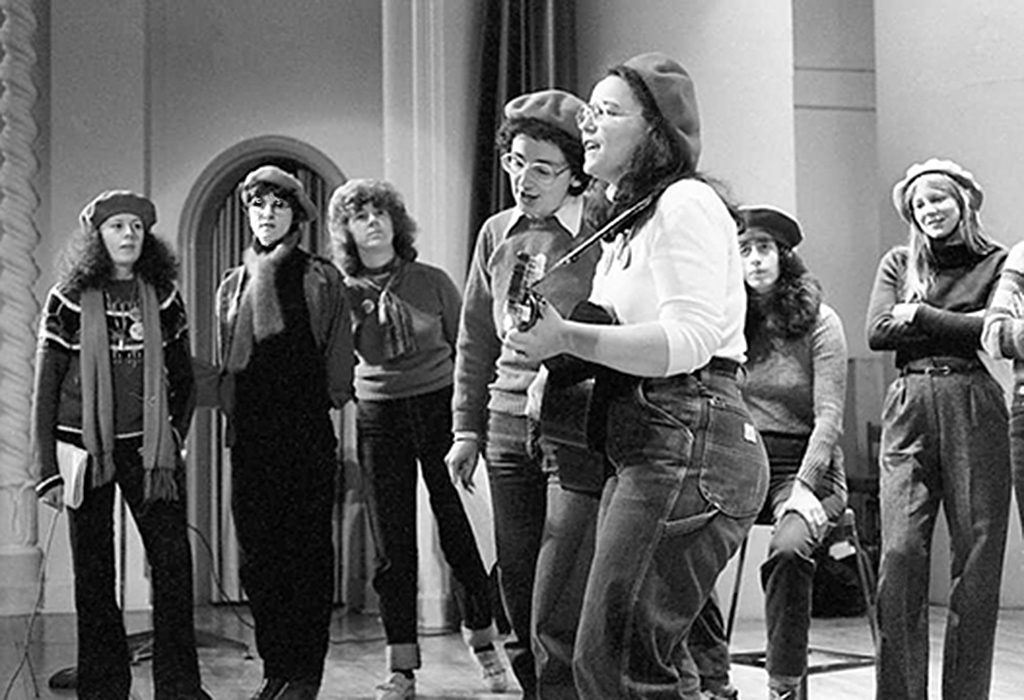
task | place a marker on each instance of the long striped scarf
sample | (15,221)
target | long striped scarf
(159,453)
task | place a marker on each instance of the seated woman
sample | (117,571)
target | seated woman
(795,389)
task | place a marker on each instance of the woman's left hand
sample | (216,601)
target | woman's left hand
(546,338)
(808,506)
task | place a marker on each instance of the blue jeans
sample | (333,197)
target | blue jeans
(519,488)
(563,565)
(1017,446)
(691,475)
(394,436)
(944,442)
(787,575)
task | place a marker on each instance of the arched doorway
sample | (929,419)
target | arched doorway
(214,234)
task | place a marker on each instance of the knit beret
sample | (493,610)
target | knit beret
(555,107)
(934,166)
(107,204)
(673,92)
(287,182)
(782,227)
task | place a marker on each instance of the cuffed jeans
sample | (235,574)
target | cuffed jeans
(691,475)
(944,441)
(103,663)
(393,436)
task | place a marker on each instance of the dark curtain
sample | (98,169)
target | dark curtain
(528,45)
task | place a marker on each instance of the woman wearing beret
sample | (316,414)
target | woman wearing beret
(405,317)
(286,360)
(690,469)
(795,389)
(113,400)
(535,518)
(944,434)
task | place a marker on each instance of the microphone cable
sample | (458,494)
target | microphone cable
(36,611)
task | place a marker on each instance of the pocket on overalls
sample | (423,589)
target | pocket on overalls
(652,422)
(732,459)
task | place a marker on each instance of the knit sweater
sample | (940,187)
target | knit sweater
(799,389)
(57,405)
(433,302)
(948,321)
(487,375)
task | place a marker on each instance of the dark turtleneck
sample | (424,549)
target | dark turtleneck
(946,323)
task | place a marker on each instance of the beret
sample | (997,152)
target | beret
(934,166)
(286,181)
(555,107)
(111,202)
(773,221)
(673,91)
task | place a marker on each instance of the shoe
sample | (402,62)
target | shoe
(726,692)
(398,686)
(493,670)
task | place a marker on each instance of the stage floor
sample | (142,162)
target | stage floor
(356,660)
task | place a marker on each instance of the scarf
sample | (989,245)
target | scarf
(393,316)
(259,310)
(159,453)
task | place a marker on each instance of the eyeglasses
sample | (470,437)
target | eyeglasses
(543,174)
(275,203)
(588,112)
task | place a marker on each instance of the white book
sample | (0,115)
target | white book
(72,462)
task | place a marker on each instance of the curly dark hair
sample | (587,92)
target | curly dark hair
(657,162)
(540,130)
(87,264)
(788,311)
(353,196)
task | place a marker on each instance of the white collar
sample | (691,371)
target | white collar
(569,215)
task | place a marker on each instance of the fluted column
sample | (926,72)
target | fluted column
(430,59)
(20,555)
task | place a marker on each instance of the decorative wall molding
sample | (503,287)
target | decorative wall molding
(19,553)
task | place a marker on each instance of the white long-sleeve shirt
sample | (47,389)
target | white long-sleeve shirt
(681,271)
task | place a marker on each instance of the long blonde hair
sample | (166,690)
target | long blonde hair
(921,260)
